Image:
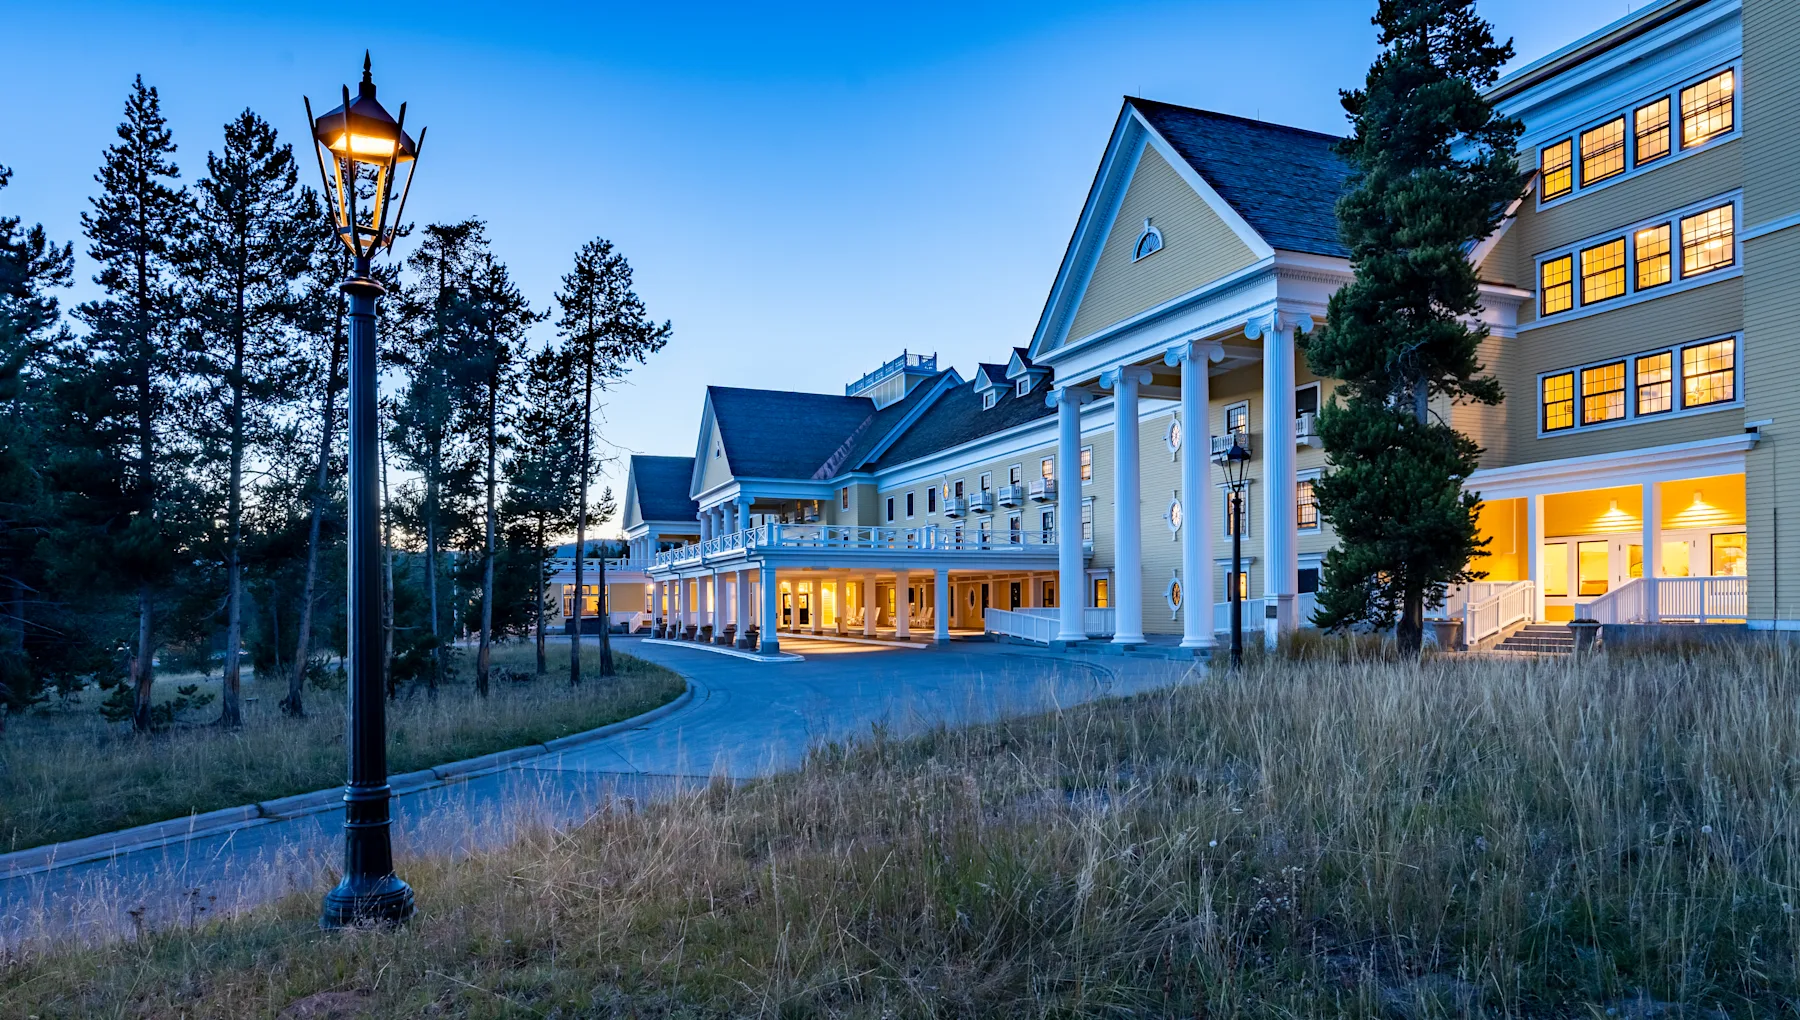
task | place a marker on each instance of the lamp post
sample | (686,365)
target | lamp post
(1236,461)
(365,147)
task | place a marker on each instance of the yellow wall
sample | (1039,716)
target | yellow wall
(1503,523)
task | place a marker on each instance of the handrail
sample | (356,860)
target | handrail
(1512,602)
(1675,599)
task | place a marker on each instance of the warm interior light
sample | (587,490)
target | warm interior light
(364,145)
(1725,84)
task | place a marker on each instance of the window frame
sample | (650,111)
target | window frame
(1568,168)
(1623,148)
(1680,222)
(1242,405)
(1677,110)
(986,482)
(1679,279)
(1638,383)
(911,504)
(1624,263)
(890,509)
(1638,132)
(1544,310)
(1047,467)
(1574,399)
(1310,480)
(1622,391)
(1086,469)
(989,399)
(1225,509)
(1318,397)
(844,498)
(931,500)
(1680,365)
(1679,407)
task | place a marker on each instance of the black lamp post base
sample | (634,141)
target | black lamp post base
(357,903)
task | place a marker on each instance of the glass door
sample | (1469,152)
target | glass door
(1593,568)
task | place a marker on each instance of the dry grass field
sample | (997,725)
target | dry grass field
(1323,836)
(66,773)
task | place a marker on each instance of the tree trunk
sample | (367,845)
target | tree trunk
(142,666)
(587,429)
(231,709)
(1409,632)
(606,659)
(543,557)
(294,703)
(487,570)
(431,581)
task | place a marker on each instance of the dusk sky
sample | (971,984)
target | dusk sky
(803,191)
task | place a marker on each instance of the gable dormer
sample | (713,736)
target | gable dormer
(990,382)
(1024,375)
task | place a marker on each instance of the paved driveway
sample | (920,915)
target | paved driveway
(746,719)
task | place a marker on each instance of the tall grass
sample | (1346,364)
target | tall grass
(1312,837)
(66,773)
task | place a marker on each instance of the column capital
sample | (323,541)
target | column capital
(1110,379)
(1194,350)
(1076,395)
(1279,321)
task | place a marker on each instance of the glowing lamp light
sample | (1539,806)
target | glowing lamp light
(367,147)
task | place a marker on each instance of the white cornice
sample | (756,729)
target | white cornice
(1719,455)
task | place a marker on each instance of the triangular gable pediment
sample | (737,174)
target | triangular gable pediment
(711,467)
(1141,178)
(634,513)
(988,377)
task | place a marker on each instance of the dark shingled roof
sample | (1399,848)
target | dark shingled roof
(779,434)
(662,487)
(958,417)
(1283,181)
(853,451)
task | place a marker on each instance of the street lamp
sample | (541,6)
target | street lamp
(1235,460)
(365,147)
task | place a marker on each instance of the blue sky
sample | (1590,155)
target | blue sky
(803,191)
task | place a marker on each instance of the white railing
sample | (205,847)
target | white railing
(855,537)
(1672,599)
(1043,490)
(1475,591)
(1042,623)
(1012,496)
(1099,622)
(1492,611)
(1255,613)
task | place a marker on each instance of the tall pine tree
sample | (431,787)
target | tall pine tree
(541,475)
(123,453)
(1435,168)
(246,251)
(607,331)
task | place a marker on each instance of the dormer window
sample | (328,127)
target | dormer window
(1149,242)
(989,399)
(1023,387)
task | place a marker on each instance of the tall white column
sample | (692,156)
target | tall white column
(1198,507)
(840,607)
(1281,565)
(771,612)
(741,596)
(1128,525)
(871,608)
(1071,578)
(1534,553)
(1652,549)
(705,525)
(815,597)
(941,605)
(718,603)
(902,610)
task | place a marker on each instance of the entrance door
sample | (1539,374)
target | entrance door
(1014,597)
(1593,568)
(787,609)
(805,608)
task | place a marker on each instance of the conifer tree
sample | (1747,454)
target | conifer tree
(607,331)
(1434,169)
(246,251)
(123,454)
(541,474)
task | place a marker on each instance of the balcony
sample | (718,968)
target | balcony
(956,507)
(1043,490)
(982,502)
(1012,496)
(1306,430)
(1221,445)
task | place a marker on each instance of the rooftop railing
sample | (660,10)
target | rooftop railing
(906,360)
(853,538)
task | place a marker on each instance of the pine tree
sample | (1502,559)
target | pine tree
(1435,168)
(246,251)
(607,330)
(541,475)
(122,453)
(30,267)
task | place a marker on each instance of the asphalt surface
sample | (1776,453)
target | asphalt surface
(747,719)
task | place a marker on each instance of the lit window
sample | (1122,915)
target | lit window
(1557,289)
(990,398)
(1087,520)
(1603,151)
(1149,242)
(1555,164)
(1087,463)
(1559,402)
(1048,468)
(1706,241)
(1048,521)
(1603,271)
(844,498)
(1237,421)
(1708,373)
(1603,393)
(1306,504)
(1706,109)
(1654,267)
(1651,129)
(1101,593)
(1242,515)
(1655,383)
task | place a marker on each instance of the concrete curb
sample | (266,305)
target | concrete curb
(51,856)
(722,650)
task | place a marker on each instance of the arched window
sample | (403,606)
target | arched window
(1149,242)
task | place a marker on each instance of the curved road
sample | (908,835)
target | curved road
(746,719)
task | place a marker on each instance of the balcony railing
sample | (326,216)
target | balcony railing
(1672,599)
(955,507)
(848,537)
(1043,490)
(1012,496)
(1221,445)
(982,502)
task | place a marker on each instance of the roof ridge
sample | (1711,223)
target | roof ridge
(1235,117)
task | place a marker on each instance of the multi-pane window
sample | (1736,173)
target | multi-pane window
(1603,151)
(1048,468)
(1654,267)
(1015,474)
(1014,530)
(1603,393)
(1087,463)
(1556,166)
(1707,241)
(1706,109)
(1047,520)
(957,486)
(844,498)
(1556,289)
(1603,271)
(1306,508)
(1237,421)
(1655,383)
(1242,517)
(1650,128)
(1087,520)
(1559,401)
(987,480)
(1709,373)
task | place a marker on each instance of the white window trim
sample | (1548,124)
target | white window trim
(1089,452)
(890,510)
(1676,381)
(1023,386)
(1224,505)
(1020,468)
(1088,519)
(986,482)
(911,505)
(1680,283)
(1633,168)
(1051,462)
(989,399)
(1318,401)
(1311,475)
(1225,417)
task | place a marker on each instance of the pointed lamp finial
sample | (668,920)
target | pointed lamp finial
(367,88)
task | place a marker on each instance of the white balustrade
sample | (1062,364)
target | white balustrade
(1489,607)
(1678,600)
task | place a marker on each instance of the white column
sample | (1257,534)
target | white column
(871,608)
(705,525)
(1652,549)
(1128,538)
(741,597)
(840,607)
(1070,576)
(815,595)
(718,603)
(941,605)
(1281,566)
(771,612)
(902,611)
(1198,507)
(1534,553)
